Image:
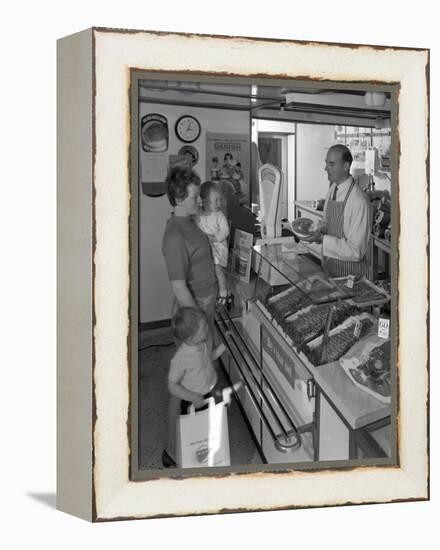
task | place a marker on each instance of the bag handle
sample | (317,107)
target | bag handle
(210,401)
(226,398)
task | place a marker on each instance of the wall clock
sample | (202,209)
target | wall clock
(188,128)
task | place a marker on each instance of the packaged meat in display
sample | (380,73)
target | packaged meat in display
(364,292)
(310,322)
(370,370)
(340,340)
(314,289)
(287,302)
(385,285)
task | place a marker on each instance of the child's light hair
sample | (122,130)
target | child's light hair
(205,192)
(186,322)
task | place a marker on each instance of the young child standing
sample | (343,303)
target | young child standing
(192,376)
(214,224)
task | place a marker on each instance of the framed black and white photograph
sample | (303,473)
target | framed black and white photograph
(309,375)
(301,337)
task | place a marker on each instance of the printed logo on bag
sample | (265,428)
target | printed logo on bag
(202,454)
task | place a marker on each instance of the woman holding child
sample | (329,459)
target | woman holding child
(186,248)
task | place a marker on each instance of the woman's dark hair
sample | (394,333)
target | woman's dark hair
(228,155)
(178,180)
(205,190)
(186,322)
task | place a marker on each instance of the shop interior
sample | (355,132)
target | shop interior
(286,409)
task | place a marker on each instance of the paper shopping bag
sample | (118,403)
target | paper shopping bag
(203,437)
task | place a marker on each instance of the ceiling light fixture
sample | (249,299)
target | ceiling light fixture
(375,99)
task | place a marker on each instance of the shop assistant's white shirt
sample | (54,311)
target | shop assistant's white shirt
(357,224)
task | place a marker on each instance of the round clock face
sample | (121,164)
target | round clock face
(188,128)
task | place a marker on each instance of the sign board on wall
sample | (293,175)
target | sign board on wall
(154,133)
(241,255)
(236,168)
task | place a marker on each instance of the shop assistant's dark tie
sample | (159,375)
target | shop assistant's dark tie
(334,192)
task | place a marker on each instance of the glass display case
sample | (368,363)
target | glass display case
(285,347)
(290,266)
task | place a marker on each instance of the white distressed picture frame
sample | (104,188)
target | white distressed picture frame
(94,274)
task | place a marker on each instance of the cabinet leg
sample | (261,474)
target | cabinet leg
(352,447)
(316,416)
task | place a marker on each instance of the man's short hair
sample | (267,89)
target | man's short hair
(186,322)
(346,155)
(178,179)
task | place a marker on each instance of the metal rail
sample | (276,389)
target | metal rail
(288,440)
(263,374)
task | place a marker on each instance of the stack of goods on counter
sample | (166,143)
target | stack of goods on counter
(286,303)
(340,340)
(382,219)
(364,292)
(310,323)
(370,367)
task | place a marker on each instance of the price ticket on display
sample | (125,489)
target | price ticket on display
(350,281)
(383,330)
(357,329)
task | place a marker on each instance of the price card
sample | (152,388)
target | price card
(350,281)
(383,330)
(357,329)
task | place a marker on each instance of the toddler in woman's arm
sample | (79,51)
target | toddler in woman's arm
(214,224)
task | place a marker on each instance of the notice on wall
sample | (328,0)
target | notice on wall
(228,157)
(154,168)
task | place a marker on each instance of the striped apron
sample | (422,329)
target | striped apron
(335,228)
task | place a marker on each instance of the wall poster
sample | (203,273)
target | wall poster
(228,158)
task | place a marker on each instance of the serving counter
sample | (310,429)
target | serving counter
(298,411)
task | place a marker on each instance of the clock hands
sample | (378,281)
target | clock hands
(187,129)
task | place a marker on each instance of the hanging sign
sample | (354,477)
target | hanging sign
(154,133)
